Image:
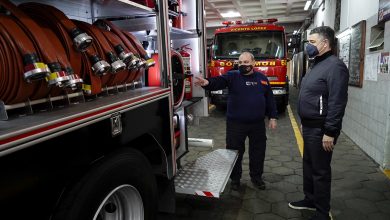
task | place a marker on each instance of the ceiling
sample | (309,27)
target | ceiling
(286,11)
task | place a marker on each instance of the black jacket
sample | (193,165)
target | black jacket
(250,97)
(323,94)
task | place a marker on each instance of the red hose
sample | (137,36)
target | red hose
(38,42)
(16,46)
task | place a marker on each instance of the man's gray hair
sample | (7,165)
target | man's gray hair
(326,33)
(249,54)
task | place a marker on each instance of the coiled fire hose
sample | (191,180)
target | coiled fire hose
(74,39)
(141,64)
(177,77)
(80,39)
(58,78)
(14,45)
(115,43)
(50,18)
(106,50)
(137,44)
(154,77)
(56,21)
(123,53)
(57,63)
(130,40)
(38,42)
(103,24)
(93,69)
(118,67)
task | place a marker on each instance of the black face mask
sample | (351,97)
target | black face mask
(245,69)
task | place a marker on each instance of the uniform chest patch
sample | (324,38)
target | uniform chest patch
(264,82)
(250,83)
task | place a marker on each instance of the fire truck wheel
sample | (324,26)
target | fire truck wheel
(121,186)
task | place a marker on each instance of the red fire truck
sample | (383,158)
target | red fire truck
(265,40)
(111,148)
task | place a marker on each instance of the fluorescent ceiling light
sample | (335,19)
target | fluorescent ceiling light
(307,5)
(231,14)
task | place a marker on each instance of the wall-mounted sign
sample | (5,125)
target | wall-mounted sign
(384,63)
(356,54)
(384,10)
(371,66)
(344,45)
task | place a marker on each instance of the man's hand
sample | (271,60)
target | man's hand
(199,81)
(327,143)
(272,123)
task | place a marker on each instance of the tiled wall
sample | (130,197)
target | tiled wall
(387,91)
(366,120)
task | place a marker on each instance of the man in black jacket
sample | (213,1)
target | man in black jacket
(250,100)
(321,104)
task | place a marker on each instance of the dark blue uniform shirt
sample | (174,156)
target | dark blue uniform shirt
(250,96)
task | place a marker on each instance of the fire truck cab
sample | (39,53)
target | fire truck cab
(265,40)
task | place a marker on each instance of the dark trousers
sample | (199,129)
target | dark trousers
(317,173)
(236,134)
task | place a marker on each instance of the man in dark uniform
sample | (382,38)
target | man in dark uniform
(321,105)
(250,100)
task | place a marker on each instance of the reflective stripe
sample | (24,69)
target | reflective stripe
(277,83)
(321,105)
(206,194)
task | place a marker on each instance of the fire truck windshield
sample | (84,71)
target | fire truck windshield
(263,44)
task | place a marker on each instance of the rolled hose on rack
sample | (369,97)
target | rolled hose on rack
(46,19)
(38,42)
(47,50)
(107,52)
(148,61)
(92,65)
(107,25)
(178,76)
(118,67)
(130,40)
(123,53)
(81,40)
(58,77)
(143,61)
(17,51)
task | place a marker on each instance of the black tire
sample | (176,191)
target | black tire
(126,166)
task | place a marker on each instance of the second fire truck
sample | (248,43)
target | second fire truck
(265,40)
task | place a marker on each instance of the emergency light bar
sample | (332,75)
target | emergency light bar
(261,21)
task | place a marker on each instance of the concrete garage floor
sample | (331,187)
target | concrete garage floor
(360,190)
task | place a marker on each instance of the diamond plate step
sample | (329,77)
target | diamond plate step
(208,175)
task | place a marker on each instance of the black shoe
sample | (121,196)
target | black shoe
(320,216)
(303,204)
(259,183)
(235,185)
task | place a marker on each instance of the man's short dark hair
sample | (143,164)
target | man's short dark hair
(325,32)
